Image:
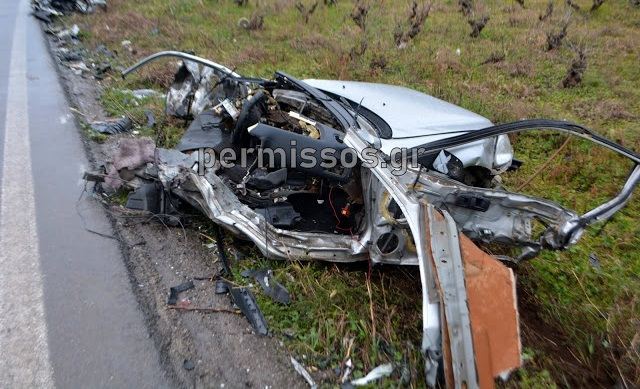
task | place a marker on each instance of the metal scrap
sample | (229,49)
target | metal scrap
(151,118)
(61,7)
(69,32)
(178,102)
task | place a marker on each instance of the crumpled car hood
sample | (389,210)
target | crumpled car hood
(409,113)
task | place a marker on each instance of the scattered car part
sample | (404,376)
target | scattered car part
(246,302)
(270,286)
(151,118)
(348,368)
(69,32)
(207,130)
(61,7)
(101,70)
(145,198)
(112,127)
(304,373)
(41,15)
(174,291)
(144,93)
(181,92)
(374,375)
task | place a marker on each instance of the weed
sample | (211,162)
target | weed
(477,25)
(359,14)
(417,17)
(306,12)
(548,12)
(576,71)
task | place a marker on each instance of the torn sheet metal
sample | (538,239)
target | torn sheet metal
(180,95)
(197,89)
(204,96)
(447,260)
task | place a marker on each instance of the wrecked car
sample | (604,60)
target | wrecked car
(348,171)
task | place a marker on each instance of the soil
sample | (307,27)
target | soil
(197,349)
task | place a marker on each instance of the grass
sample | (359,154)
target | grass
(580,323)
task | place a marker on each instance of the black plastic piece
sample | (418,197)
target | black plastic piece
(270,285)
(515,165)
(176,290)
(112,127)
(222,287)
(267,181)
(145,198)
(279,215)
(252,111)
(330,142)
(475,203)
(221,253)
(246,301)
(205,131)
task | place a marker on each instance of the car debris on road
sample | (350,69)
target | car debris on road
(114,126)
(174,291)
(433,215)
(46,9)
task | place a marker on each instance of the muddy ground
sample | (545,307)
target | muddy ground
(197,349)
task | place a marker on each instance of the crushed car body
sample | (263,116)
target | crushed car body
(364,200)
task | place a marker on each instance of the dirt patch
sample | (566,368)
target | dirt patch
(555,347)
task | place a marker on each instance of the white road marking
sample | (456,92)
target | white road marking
(24,350)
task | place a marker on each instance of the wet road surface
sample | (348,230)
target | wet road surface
(68,316)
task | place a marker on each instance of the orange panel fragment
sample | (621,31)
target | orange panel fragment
(493,313)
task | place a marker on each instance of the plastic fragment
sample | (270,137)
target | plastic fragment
(270,285)
(176,290)
(112,127)
(375,374)
(304,373)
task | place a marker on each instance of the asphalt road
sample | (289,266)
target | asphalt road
(68,316)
